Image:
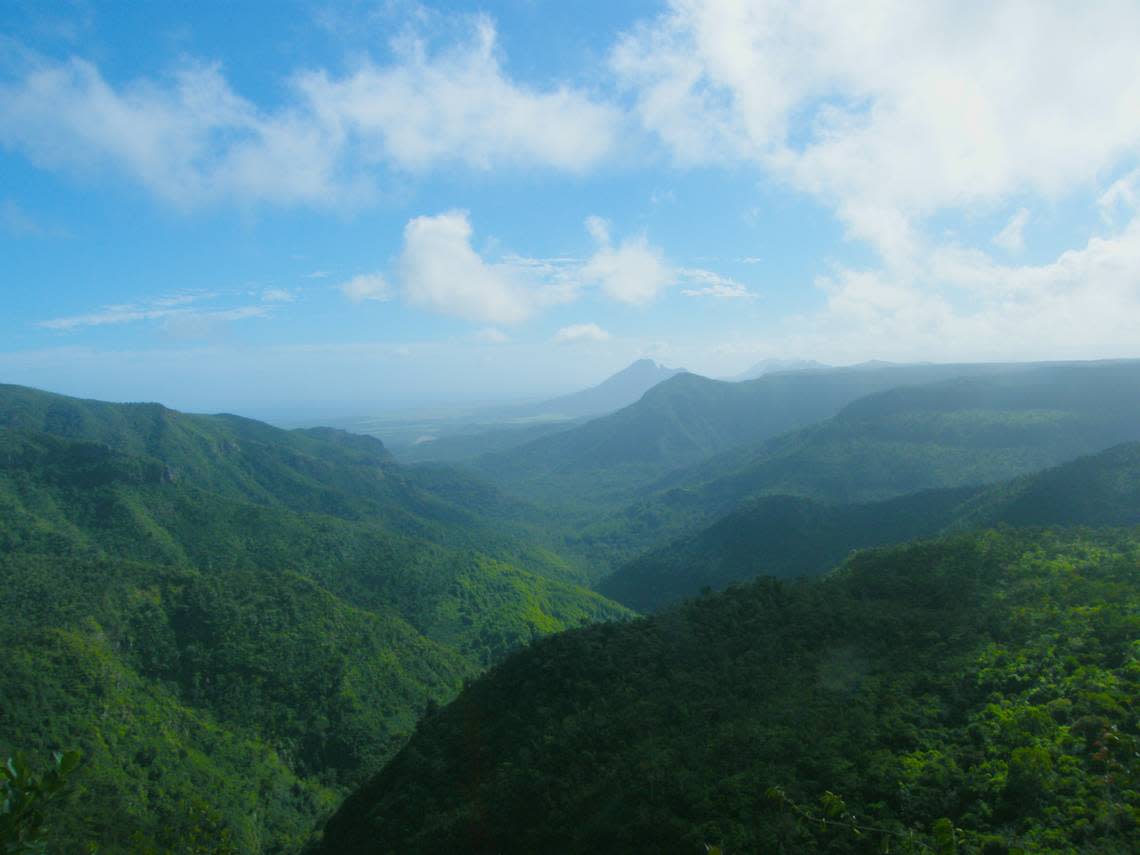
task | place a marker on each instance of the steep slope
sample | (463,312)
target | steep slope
(980,688)
(685,420)
(319,470)
(963,432)
(786,536)
(259,658)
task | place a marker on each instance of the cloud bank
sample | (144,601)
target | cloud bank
(191,140)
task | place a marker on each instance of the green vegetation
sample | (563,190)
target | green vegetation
(681,422)
(24,796)
(786,536)
(959,433)
(240,629)
(977,691)
(238,625)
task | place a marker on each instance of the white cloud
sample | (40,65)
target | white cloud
(961,304)
(633,272)
(277,295)
(893,111)
(106,316)
(1012,237)
(712,284)
(1123,195)
(440,271)
(171,310)
(191,140)
(598,229)
(458,106)
(580,333)
(367,286)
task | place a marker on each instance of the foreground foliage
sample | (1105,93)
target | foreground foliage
(24,798)
(981,688)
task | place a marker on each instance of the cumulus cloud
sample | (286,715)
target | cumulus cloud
(580,333)
(458,106)
(894,111)
(963,304)
(633,272)
(277,295)
(367,286)
(190,139)
(439,270)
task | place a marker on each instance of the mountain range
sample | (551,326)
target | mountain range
(242,627)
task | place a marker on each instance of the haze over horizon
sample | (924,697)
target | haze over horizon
(386,205)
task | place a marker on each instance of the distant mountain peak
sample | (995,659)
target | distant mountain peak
(616,391)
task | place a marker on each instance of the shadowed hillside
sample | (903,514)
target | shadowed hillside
(786,536)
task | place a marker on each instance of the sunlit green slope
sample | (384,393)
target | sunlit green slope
(232,637)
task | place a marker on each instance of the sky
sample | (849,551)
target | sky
(346,208)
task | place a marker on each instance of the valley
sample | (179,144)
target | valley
(269,616)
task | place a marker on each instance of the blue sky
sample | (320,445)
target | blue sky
(342,208)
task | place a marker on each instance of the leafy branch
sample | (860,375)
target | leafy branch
(23,797)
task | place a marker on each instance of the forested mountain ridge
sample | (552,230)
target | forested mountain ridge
(686,419)
(264,614)
(963,432)
(320,470)
(789,536)
(979,688)
(983,428)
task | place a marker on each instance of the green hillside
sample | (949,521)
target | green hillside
(313,470)
(787,536)
(780,536)
(228,658)
(683,421)
(968,430)
(974,694)
(958,433)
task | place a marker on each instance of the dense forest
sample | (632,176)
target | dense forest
(263,615)
(790,536)
(981,687)
(239,628)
